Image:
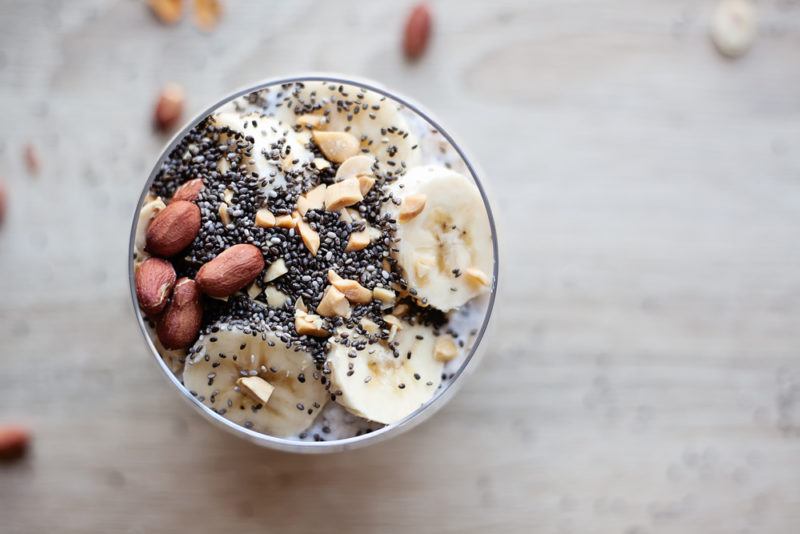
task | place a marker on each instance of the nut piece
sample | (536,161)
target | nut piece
(445,349)
(173,229)
(400,310)
(255,387)
(384,295)
(188,191)
(353,291)
(357,241)
(394,326)
(265,218)
(309,324)
(321,163)
(417,32)
(275,297)
(423,264)
(285,221)
(333,303)
(734,27)
(275,270)
(411,206)
(179,327)
(355,166)
(336,146)
(309,236)
(224,216)
(155,279)
(253,290)
(477,277)
(365,183)
(167,11)
(342,194)
(207,14)
(371,327)
(230,271)
(312,200)
(310,121)
(169,107)
(14,442)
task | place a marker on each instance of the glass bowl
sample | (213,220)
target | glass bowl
(442,395)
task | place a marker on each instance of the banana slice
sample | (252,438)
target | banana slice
(445,244)
(220,359)
(379,387)
(269,157)
(146,214)
(379,123)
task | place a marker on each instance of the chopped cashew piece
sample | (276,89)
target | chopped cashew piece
(445,349)
(371,327)
(255,387)
(355,166)
(357,241)
(411,206)
(423,263)
(333,303)
(253,290)
(477,277)
(309,236)
(333,277)
(321,163)
(354,291)
(384,295)
(300,305)
(400,310)
(275,297)
(336,146)
(312,200)
(309,324)
(341,194)
(265,218)
(285,221)
(227,196)
(275,270)
(310,121)
(365,183)
(223,214)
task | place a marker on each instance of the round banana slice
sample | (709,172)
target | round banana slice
(293,396)
(380,387)
(445,244)
(734,27)
(376,121)
(277,148)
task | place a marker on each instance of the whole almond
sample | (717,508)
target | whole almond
(229,272)
(155,279)
(173,229)
(167,11)
(189,190)
(179,327)
(14,441)
(417,32)
(169,107)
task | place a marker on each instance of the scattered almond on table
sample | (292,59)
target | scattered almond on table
(169,107)
(207,14)
(14,442)
(167,11)
(417,32)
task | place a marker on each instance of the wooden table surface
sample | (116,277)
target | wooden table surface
(644,373)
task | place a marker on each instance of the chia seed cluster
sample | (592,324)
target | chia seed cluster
(198,155)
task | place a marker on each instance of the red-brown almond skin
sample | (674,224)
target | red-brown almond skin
(179,326)
(155,279)
(418,31)
(188,191)
(229,272)
(173,229)
(14,441)
(169,108)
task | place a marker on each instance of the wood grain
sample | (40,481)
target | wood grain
(644,373)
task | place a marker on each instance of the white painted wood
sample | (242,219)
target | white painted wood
(644,376)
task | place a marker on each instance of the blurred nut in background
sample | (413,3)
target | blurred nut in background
(14,441)
(169,107)
(167,11)
(207,14)
(417,33)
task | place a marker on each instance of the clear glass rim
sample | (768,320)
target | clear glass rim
(376,436)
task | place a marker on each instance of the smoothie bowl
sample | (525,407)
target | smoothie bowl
(313,263)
